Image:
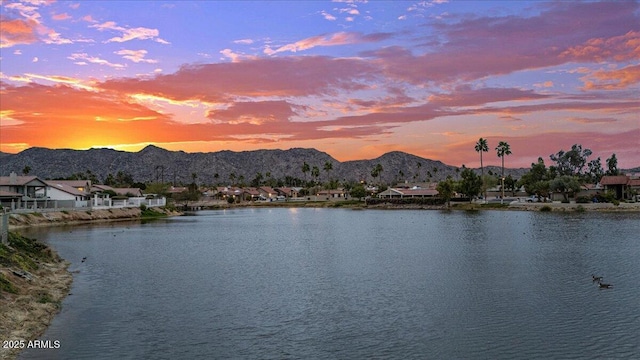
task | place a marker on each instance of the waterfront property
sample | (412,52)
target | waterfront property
(30,193)
(624,186)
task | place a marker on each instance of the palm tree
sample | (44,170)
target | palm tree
(482,146)
(377,171)
(503,149)
(305,169)
(328,167)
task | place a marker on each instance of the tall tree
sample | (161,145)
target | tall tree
(571,162)
(26,170)
(315,172)
(471,184)
(612,166)
(536,181)
(503,149)
(327,168)
(305,169)
(446,189)
(377,171)
(565,184)
(482,146)
(595,171)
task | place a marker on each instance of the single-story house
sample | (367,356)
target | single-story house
(267,192)
(399,193)
(332,194)
(290,192)
(251,194)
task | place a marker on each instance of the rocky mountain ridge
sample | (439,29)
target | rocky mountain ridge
(156,164)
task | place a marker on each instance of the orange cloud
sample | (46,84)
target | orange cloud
(619,48)
(16,32)
(613,79)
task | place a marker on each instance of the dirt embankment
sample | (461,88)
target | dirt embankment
(84,216)
(33,282)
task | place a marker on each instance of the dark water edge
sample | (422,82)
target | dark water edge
(337,283)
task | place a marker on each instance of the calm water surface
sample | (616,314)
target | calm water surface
(346,284)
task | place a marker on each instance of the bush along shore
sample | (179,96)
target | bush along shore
(33,282)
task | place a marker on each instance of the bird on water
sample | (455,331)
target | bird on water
(604,286)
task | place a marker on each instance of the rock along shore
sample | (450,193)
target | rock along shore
(64,217)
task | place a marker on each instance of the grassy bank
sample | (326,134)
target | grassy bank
(33,282)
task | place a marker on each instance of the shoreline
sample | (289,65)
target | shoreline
(455,206)
(69,217)
(33,297)
(41,280)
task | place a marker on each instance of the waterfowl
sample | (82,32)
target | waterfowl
(604,286)
(596,278)
(84,259)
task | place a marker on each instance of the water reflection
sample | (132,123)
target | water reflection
(335,283)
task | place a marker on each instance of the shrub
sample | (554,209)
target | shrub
(580,208)
(583,199)
(143,207)
(230,200)
(6,285)
(545,208)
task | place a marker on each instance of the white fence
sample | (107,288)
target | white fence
(96,203)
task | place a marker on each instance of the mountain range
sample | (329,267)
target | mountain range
(156,164)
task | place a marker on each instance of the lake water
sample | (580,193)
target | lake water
(344,284)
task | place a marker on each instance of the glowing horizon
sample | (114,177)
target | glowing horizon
(354,79)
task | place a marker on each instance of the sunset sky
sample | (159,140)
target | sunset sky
(352,78)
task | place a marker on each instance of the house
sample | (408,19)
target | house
(590,190)
(289,192)
(623,186)
(399,193)
(224,192)
(30,189)
(251,194)
(332,194)
(267,192)
(27,186)
(64,194)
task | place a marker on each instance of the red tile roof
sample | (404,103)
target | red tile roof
(614,180)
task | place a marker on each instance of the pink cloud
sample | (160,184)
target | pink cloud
(287,76)
(340,38)
(474,48)
(128,34)
(60,17)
